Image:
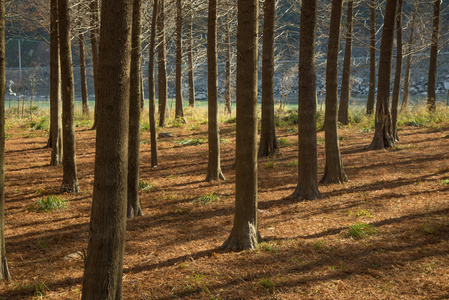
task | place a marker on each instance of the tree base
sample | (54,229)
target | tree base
(134,212)
(337,177)
(213,176)
(4,271)
(246,238)
(70,188)
(311,193)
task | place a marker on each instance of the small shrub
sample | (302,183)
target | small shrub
(283,142)
(265,246)
(444,181)
(230,120)
(270,164)
(212,197)
(266,283)
(51,203)
(361,230)
(191,142)
(319,245)
(39,124)
(145,127)
(363,213)
(429,229)
(292,164)
(145,186)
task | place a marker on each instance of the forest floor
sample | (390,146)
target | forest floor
(396,203)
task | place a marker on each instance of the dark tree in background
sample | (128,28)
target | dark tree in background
(190,59)
(334,171)
(397,74)
(104,264)
(245,231)
(383,137)
(431,96)
(179,110)
(84,96)
(94,40)
(151,96)
(372,59)
(162,63)
(307,187)
(228,97)
(269,144)
(70,177)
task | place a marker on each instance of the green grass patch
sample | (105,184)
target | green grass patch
(211,197)
(146,186)
(361,213)
(270,164)
(191,142)
(444,181)
(266,282)
(41,123)
(51,203)
(361,230)
(283,142)
(292,164)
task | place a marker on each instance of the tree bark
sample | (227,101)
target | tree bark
(190,61)
(179,110)
(84,95)
(55,93)
(398,73)
(162,68)
(383,137)
(433,60)
(269,144)
(334,171)
(307,188)
(372,60)
(70,177)
(151,100)
(104,264)
(245,232)
(4,271)
(228,97)
(213,166)
(134,209)
(345,93)
(94,40)
(408,62)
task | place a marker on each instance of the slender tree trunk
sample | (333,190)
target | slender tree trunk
(213,167)
(228,97)
(162,69)
(104,264)
(245,232)
(151,100)
(55,94)
(398,73)
(345,93)
(70,178)
(431,96)
(334,171)
(134,209)
(372,60)
(179,110)
(4,271)
(84,95)
(383,137)
(94,40)
(269,144)
(190,61)
(307,187)
(408,63)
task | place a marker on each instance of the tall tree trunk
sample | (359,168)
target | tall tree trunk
(372,60)
(213,166)
(179,110)
(269,144)
(104,264)
(345,93)
(190,61)
(4,271)
(151,100)
(307,187)
(70,178)
(334,171)
(55,93)
(383,137)
(245,232)
(397,74)
(162,69)
(84,96)
(134,209)
(431,96)
(408,62)
(94,40)
(228,97)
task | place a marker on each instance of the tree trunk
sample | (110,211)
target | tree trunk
(245,232)
(70,178)
(162,69)
(398,73)
(269,144)
(228,97)
(383,137)
(94,40)
(334,171)
(4,271)
(190,61)
(151,100)
(372,60)
(84,96)
(55,93)
(134,209)
(104,264)
(307,188)
(431,96)
(345,93)
(213,166)
(179,110)
(408,63)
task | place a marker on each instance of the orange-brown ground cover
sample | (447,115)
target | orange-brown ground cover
(173,250)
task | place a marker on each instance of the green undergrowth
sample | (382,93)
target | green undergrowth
(50,203)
